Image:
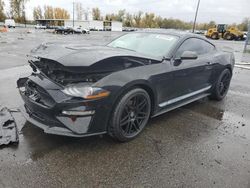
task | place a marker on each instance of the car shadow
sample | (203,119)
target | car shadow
(175,127)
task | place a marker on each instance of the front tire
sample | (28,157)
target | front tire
(221,86)
(130,115)
(215,36)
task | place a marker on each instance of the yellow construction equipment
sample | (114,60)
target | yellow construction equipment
(225,32)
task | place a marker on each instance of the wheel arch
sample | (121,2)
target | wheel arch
(229,67)
(143,84)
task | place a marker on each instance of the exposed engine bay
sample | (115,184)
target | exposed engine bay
(72,74)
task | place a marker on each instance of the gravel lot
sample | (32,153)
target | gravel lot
(203,144)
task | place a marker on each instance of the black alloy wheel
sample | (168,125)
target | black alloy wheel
(222,85)
(130,115)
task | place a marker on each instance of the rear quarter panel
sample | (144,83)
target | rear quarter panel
(222,60)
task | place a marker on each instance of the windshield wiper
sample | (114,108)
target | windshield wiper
(125,48)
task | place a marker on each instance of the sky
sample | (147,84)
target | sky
(220,11)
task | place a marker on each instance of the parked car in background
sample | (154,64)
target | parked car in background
(51,27)
(40,26)
(77,30)
(10,23)
(71,30)
(59,30)
(85,31)
(244,35)
(63,30)
(95,29)
(200,32)
(80,30)
(128,29)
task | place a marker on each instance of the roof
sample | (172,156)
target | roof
(175,32)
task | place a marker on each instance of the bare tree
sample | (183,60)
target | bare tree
(17,10)
(149,20)
(129,21)
(61,13)
(48,12)
(138,18)
(37,13)
(96,13)
(86,14)
(79,11)
(121,15)
(2,14)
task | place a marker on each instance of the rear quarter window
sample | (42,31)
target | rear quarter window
(199,46)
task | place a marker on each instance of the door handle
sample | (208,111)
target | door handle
(208,67)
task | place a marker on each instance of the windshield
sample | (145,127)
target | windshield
(156,45)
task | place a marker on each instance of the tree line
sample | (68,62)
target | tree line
(49,12)
(150,20)
(139,19)
(16,10)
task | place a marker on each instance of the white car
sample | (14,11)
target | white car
(245,36)
(10,23)
(85,31)
(80,30)
(40,27)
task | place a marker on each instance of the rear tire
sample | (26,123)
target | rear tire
(228,36)
(221,86)
(130,115)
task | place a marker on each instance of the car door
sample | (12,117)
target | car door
(193,75)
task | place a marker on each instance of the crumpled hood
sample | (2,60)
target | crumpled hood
(79,55)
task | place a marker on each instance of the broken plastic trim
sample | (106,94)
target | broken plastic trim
(8,128)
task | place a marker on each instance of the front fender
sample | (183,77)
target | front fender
(120,82)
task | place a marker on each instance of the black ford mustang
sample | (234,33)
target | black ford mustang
(88,90)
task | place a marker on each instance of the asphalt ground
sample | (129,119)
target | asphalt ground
(203,144)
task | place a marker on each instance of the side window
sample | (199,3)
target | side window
(196,45)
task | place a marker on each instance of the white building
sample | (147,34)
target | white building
(83,24)
(87,24)
(95,25)
(116,26)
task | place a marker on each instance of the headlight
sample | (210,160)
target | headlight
(86,92)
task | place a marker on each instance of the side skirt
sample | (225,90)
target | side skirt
(181,101)
(175,100)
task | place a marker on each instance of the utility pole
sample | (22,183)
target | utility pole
(247,42)
(24,18)
(197,8)
(73,14)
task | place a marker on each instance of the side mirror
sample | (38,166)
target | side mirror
(186,55)
(189,55)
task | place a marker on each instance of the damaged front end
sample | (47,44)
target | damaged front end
(65,75)
(49,108)
(60,95)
